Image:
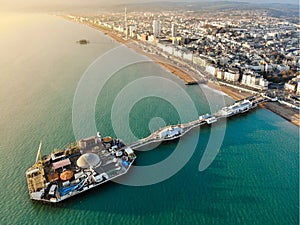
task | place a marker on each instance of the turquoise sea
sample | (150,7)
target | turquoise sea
(254,178)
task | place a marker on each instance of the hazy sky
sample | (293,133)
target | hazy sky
(21,4)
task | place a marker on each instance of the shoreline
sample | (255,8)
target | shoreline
(160,60)
(285,112)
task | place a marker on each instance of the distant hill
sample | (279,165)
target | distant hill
(172,6)
(274,9)
(94,6)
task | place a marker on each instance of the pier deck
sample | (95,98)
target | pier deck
(238,107)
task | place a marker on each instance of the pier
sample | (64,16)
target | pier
(172,132)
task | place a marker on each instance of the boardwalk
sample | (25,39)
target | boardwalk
(176,131)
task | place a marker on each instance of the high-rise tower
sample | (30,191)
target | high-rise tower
(156,28)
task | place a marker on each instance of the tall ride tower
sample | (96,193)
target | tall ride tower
(126,24)
(173,30)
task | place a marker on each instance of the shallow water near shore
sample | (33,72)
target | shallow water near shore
(253,180)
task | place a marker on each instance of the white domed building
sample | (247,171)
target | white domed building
(88,160)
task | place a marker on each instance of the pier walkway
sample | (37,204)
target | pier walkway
(176,131)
